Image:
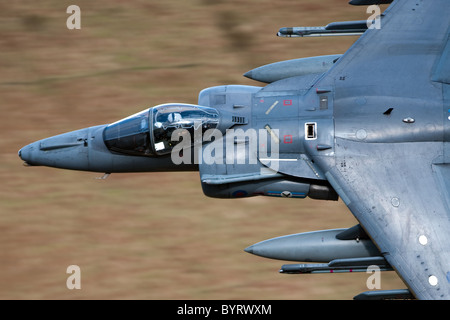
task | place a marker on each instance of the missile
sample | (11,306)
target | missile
(338,266)
(368,2)
(341,28)
(397,294)
(291,68)
(318,246)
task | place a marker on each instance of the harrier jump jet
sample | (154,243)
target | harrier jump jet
(371,126)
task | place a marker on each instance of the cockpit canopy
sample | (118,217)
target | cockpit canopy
(149,133)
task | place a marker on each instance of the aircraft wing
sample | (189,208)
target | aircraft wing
(400,195)
(391,162)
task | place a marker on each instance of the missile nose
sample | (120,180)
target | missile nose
(249,74)
(249,249)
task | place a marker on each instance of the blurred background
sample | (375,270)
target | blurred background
(152,235)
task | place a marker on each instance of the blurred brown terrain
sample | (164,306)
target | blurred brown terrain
(150,235)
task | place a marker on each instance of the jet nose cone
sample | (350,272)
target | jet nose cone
(67,151)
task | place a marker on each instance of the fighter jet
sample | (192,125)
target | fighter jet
(370,126)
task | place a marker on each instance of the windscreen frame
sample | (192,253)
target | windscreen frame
(130,135)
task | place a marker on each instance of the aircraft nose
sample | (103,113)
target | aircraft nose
(68,151)
(25,154)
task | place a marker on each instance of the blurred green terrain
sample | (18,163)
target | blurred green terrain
(146,236)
